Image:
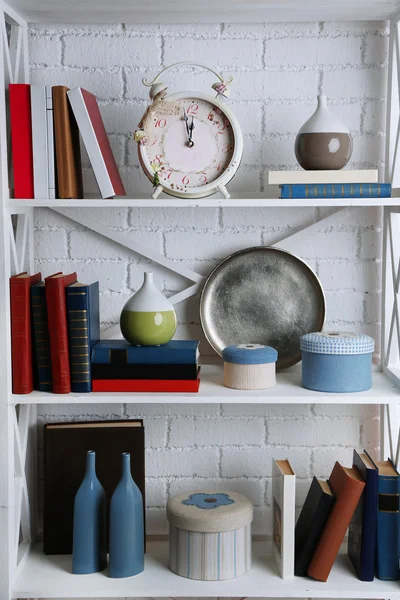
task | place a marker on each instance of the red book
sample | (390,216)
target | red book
(347,487)
(58,330)
(146,385)
(87,114)
(21,331)
(21,139)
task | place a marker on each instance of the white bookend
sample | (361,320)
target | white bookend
(283,499)
(304,177)
(50,144)
(39,141)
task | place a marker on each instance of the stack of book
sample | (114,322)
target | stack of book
(117,366)
(363,499)
(330,184)
(45,147)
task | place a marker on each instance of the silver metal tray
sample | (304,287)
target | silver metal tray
(262,295)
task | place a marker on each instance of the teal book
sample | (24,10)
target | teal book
(388,522)
(41,339)
(83,316)
(336,190)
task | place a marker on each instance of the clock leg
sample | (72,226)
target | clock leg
(157,192)
(224,191)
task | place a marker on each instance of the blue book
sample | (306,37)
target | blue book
(120,352)
(337,190)
(388,524)
(83,316)
(362,530)
(41,339)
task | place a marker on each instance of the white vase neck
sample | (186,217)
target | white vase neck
(148,277)
(323,120)
(322,100)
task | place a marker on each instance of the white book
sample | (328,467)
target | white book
(283,499)
(304,177)
(50,144)
(39,141)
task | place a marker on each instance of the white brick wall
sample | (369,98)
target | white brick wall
(278,70)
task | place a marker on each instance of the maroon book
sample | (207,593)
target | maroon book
(21,332)
(58,330)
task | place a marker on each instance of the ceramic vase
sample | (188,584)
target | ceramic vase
(126,551)
(148,318)
(89,553)
(323,142)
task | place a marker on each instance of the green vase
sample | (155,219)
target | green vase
(148,318)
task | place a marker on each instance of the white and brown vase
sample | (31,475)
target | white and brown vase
(324,142)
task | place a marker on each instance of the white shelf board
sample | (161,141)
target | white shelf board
(50,577)
(287,391)
(205,11)
(169,201)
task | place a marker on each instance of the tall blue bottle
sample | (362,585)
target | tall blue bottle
(126,552)
(89,552)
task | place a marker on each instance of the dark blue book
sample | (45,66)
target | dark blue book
(388,524)
(41,339)
(121,352)
(83,315)
(362,530)
(337,190)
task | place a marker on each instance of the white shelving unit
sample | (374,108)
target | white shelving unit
(25,572)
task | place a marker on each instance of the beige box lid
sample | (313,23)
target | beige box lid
(209,511)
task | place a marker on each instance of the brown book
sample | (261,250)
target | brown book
(67,146)
(65,447)
(347,487)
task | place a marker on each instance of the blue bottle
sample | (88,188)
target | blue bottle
(126,526)
(89,552)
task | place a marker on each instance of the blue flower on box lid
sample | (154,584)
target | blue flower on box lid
(208,501)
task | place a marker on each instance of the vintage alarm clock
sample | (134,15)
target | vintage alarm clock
(190,144)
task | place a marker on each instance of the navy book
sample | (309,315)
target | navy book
(41,339)
(83,316)
(121,352)
(388,523)
(362,529)
(310,523)
(337,190)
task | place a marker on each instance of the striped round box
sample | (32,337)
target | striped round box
(210,535)
(249,366)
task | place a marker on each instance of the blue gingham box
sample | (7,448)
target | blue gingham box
(337,361)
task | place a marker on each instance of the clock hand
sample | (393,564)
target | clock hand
(185,118)
(190,140)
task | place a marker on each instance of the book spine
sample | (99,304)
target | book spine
(41,340)
(322,177)
(58,330)
(144,371)
(39,141)
(145,385)
(51,166)
(21,337)
(142,355)
(387,559)
(78,308)
(288,525)
(369,525)
(346,190)
(21,140)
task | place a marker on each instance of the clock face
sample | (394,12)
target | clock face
(189,142)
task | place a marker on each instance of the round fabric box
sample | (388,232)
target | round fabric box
(249,366)
(210,535)
(337,362)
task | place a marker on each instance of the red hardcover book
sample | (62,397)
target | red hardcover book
(58,330)
(21,139)
(21,331)
(87,114)
(146,385)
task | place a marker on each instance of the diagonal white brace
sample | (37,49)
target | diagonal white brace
(127,240)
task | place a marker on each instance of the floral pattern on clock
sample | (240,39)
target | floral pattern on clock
(190,145)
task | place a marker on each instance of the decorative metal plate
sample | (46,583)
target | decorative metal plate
(262,295)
